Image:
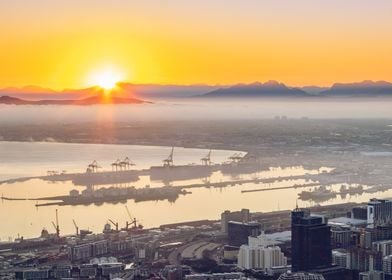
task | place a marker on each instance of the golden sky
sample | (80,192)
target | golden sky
(63,44)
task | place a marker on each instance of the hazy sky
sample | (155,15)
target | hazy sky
(62,44)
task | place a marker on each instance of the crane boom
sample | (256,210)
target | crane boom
(115,224)
(129,213)
(76,227)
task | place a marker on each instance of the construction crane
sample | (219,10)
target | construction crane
(115,224)
(76,227)
(56,225)
(207,159)
(169,160)
(133,221)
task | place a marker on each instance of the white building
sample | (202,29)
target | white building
(300,276)
(260,253)
(384,246)
(371,275)
(387,265)
(339,258)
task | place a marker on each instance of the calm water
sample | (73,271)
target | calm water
(27,159)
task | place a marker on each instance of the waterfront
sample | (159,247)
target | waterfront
(203,203)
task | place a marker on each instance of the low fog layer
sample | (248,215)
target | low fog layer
(199,109)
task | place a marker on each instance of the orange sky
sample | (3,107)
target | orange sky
(60,44)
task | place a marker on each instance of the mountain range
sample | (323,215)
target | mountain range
(94,100)
(136,93)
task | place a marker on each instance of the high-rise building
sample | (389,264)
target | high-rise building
(385,247)
(260,253)
(371,275)
(341,237)
(379,211)
(310,241)
(238,233)
(242,216)
(359,212)
(387,267)
(339,258)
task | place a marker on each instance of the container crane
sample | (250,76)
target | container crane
(169,160)
(207,159)
(116,165)
(127,163)
(94,166)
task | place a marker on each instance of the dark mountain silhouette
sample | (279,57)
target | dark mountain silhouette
(143,91)
(361,89)
(165,91)
(267,89)
(36,93)
(128,92)
(94,100)
(13,100)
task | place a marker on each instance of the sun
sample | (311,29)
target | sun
(106,78)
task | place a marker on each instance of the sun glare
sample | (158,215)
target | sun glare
(106,79)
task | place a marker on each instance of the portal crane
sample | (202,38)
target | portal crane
(94,166)
(116,165)
(207,159)
(169,160)
(126,163)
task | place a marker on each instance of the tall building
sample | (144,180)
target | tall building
(387,267)
(341,237)
(260,253)
(242,216)
(310,241)
(359,212)
(238,233)
(339,258)
(371,275)
(379,211)
(385,247)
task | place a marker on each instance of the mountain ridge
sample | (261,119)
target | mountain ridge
(92,100)
(366,88)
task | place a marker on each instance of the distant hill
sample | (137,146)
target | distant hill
(13,100)
(94,100)
(126,92)
(143,91)
(267,89)
(361,89)
(152,91)
(314,90)
(38,93)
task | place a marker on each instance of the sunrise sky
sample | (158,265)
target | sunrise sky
(74,43)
